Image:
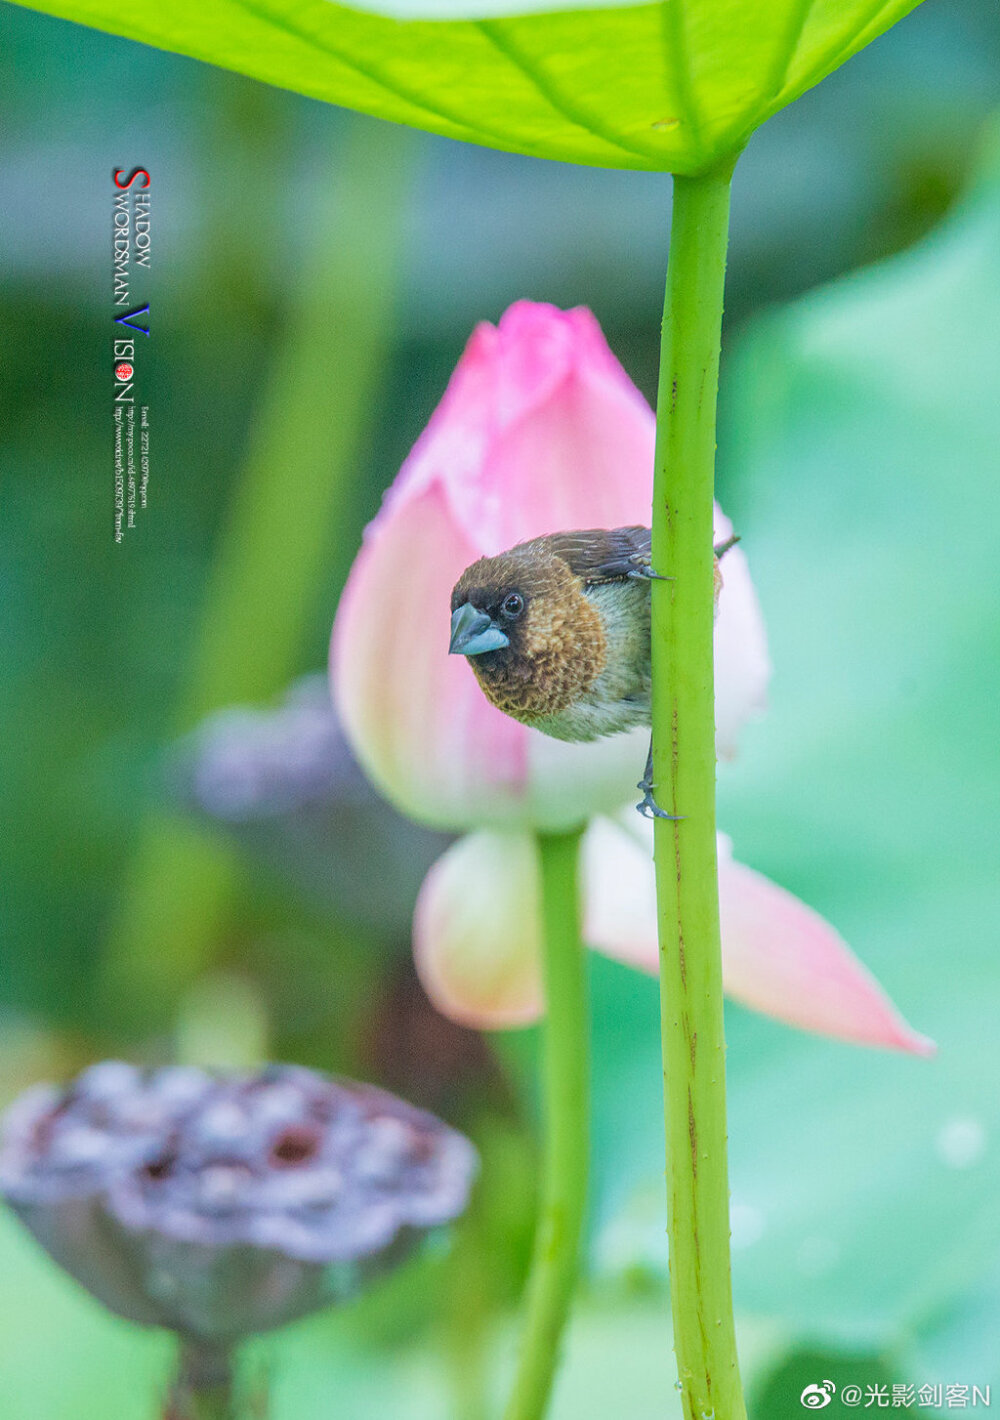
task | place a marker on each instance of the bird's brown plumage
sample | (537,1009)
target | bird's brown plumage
(577,663)
(557,645)
(558,631)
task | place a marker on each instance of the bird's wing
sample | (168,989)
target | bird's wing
(604,554)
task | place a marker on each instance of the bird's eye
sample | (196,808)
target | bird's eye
(513,605)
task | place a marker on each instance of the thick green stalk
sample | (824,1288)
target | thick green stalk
(684,773)
(555,1260)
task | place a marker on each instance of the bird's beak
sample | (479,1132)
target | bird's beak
(472,632)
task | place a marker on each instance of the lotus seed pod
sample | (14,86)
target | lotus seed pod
(223,1205)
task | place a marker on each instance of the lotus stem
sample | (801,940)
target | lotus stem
(684,777)
(203,1389)
(555,1259)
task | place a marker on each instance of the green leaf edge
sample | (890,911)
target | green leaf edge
(599,146)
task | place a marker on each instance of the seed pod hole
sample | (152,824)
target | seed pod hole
(294,1146)
(158,1169)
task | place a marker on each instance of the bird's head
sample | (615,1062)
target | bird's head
(532,637)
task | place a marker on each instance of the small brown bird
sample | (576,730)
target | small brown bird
(557,631)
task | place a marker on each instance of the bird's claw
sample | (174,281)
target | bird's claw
(649,808)
(646,574)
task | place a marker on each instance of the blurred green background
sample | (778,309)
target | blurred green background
(315,276)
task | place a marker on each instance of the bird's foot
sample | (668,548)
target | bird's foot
(649,808)
(646,574)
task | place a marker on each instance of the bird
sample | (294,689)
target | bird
(558,633)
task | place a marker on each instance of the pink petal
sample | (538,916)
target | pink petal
(782,958)
(415,716)
(568,783)
(742,664)
(619,915)
(778,955)
(540,429)
(476,931)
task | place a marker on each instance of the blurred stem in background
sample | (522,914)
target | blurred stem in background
(203,1389)
(555,1258)
(268,575)
(222,1024)
(687,886)
(468,1318)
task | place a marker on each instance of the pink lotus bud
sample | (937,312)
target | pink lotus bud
(219,1206)
(539,431)
(477,937)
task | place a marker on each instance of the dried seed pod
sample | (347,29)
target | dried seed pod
(282,780)
(222,1205)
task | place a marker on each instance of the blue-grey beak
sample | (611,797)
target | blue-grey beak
(472,632)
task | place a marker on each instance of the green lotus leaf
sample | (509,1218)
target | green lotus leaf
(676,86)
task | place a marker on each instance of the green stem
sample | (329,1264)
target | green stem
(468,1316)
(211,1403)
(684,769)
(555,1260)
(204,1386)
